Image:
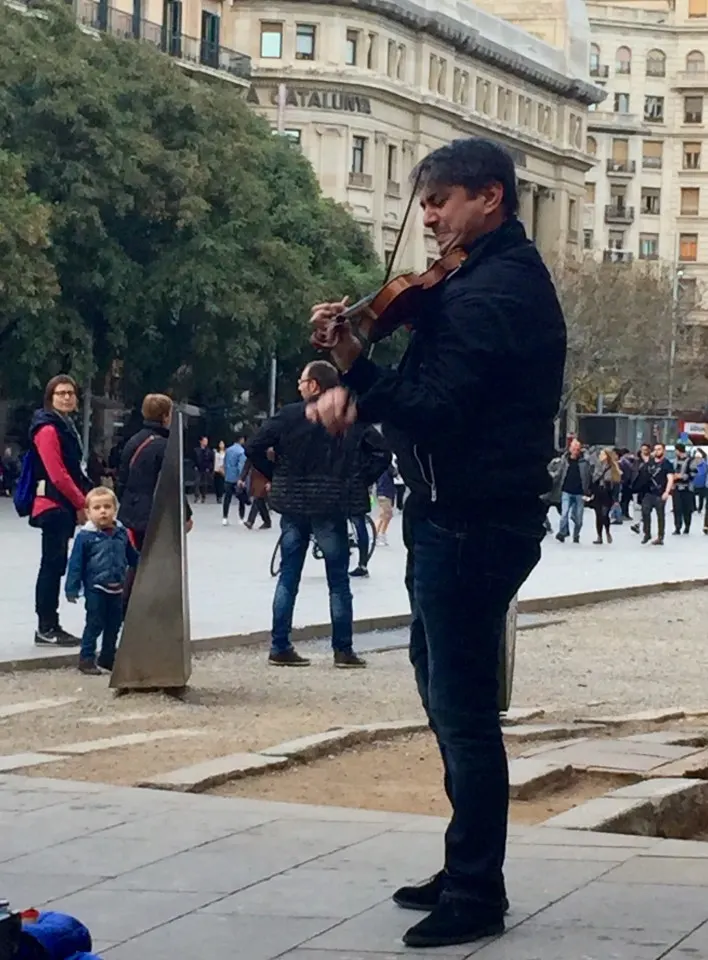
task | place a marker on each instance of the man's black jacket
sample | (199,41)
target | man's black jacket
(137,481)
(470,410)
(315,474)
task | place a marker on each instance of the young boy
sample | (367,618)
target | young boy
(99,563)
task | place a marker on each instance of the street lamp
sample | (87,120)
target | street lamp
(678,277)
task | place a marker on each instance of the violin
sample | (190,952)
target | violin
(393,305)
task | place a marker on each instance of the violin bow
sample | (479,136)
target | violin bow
(397,244)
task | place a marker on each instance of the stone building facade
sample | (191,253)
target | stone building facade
(367,90)
(647,195)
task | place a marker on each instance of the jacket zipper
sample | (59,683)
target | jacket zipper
(431,483)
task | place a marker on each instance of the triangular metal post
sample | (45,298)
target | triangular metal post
(155,649)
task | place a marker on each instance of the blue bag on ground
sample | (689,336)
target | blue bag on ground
(61,936)
(23,497)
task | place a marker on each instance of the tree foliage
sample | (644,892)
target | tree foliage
(152,225)
(620,321)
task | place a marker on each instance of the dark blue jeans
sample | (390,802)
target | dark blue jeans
(104,615)
(333,540)
(461,578)
(362,536)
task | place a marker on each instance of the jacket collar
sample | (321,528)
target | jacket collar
(510,234)
(156,427)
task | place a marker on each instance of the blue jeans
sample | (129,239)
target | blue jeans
(333,540)
(572,505)
(104,615)
(461,579)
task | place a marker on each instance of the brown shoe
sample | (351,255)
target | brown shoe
(89,667)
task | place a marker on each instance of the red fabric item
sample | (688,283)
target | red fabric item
(48,446)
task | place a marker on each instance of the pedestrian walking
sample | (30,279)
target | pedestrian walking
(573,480)
(682,492)
(605,489)
(234,462)
(660,482)
(219,481)
(204,463)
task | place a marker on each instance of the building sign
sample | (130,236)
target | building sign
(314,99)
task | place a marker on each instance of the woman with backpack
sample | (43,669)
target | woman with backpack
(52,492)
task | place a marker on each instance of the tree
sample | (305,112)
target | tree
(178,241)
(620,319)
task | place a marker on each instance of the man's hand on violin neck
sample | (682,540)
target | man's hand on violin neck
(335,410)
(338,338)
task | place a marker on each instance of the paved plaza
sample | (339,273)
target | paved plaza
(159,876)
(231,588)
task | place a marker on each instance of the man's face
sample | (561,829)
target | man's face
(575,448)
(658,451)
(645,451)
(457,218)
(204,441)
(307,387)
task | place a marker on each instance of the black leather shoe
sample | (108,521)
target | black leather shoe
(455,921)
(426,895)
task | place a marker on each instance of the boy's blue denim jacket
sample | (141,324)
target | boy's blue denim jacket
(99,558)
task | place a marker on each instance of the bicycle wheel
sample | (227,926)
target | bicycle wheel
(372,536)
(276,559)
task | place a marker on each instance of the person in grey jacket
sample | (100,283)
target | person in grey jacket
(571,485)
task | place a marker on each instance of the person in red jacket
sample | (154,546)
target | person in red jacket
(60,495)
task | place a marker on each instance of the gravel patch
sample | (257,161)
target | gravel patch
(607,659)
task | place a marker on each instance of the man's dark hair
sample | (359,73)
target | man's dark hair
(323,373)
(680,448)
(473,163)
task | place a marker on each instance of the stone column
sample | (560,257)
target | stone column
(527,192)
(549,226)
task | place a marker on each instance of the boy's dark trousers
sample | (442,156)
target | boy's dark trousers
(104,615)
(684,503)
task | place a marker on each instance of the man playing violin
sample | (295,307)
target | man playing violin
(483,371)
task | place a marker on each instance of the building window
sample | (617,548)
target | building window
(591,146)
(272,40)
(588,239)
(350,48)
(392,164)
(695,62)
(648,246)
(372,51)
(691,156)
(688,292)
(173,27)
(621,103)
(690,200)
(623,60)
(654,109)
(295,136)
(620,153)
(616,240)
(652,154)
(656,63)
(211,26)
(305,41)
(651,200)
(358,154)
(590,193)
(693,109)
(697,8)
(688,247)
(572,217)
(594,60)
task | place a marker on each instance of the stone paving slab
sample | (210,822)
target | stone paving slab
(219,556)
(285,882)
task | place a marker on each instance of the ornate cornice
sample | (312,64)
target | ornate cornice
(471,42)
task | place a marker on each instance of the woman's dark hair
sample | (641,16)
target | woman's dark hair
(323,373)
(473,163)
(55,382)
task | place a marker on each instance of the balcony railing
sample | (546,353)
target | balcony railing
(621,167)
(618,213)
(607,120)
(364,180)
(617,256)
(117,23)
(599,70)
(691,79)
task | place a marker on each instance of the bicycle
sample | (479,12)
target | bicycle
(276,559)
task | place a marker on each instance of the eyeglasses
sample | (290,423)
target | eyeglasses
(65,393)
